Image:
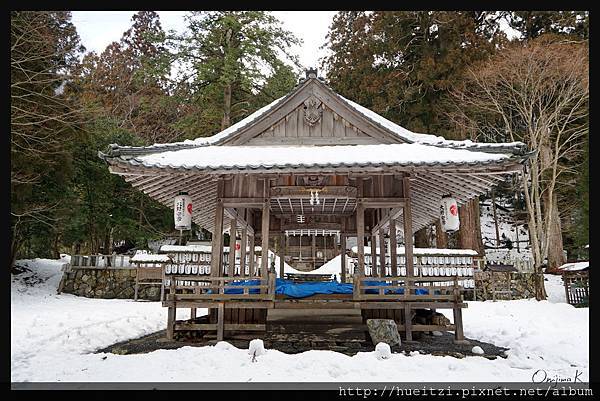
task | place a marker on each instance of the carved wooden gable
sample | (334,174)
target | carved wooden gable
(313,115)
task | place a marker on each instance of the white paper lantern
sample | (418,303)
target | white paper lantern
(182,211)
(449,214)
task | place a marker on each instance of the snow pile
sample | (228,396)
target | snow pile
(477,350)
(256,347)
(540,335)
(555,288)
(573,267)
(383,351)
(143,256)
(53,338)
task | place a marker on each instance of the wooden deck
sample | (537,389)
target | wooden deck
(247,311)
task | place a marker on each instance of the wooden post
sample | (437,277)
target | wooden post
(381,253)
(172,311)
(217,250)
(243,247)
(343,257)
(373,255)
(264,260)
(281,255)
(408,240)
(459,337)
(220,321)
(232,235)
(393,248)
(252,256)
(313,248)
(407,322)
(360,242)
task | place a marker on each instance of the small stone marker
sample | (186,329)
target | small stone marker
(437,333)
(383,351)
(477,350)
(383,331)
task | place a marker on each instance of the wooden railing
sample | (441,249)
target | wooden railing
(438,289)
(200,288)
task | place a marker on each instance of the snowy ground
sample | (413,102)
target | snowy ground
(53,338)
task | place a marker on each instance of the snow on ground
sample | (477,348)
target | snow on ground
(54,337)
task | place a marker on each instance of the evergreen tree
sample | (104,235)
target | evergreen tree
(226,57)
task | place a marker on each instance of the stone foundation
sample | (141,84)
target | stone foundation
(106,283)
(520,285)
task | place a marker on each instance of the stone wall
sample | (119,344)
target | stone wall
(106,283)
(521,285)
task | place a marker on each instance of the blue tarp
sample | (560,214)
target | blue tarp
(303,290)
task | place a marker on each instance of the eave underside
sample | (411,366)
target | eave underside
(428,185)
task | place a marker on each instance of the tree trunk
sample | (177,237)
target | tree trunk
(496,219)
(15,244)
(422,238)
(226,107)
(556,256)
(469,234)
(441,238)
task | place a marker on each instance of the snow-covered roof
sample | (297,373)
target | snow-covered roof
(428,139)
(149,257)
(577,266)
(425,251)
(246,157)
(392,128)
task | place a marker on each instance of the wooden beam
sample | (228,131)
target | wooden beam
(249,203)
(384,222)
(377,203)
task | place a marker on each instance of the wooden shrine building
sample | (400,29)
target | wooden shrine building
(316,165)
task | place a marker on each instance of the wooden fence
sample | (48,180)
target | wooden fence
(577,288)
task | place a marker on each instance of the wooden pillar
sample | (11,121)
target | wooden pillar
(232,235)
(343,257)
(360,242)
(243,247)
(281,255)
(252,258)
(393,248)
(381,253)
(217,250)
(264,259)
(220,321)
(373,255)
(408,240)
(313,249)
(408,253)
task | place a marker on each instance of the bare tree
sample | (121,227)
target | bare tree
(44,46)
(538,93)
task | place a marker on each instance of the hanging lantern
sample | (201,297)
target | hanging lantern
(182,210)
(449,214)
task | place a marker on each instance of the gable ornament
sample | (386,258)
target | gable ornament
(312,110)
